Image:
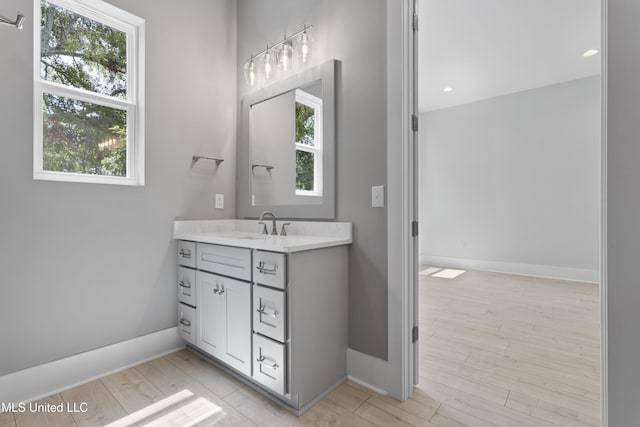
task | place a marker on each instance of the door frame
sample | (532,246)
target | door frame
(410,201)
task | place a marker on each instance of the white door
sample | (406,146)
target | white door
(238,324)
(211,314)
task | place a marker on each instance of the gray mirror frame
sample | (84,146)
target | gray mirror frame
(327,210)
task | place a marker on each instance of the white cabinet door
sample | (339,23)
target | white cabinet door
(224,316)
(238,324)
(211,314)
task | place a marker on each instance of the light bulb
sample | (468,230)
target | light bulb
(304,46)
(266,59)
(250,72)
(285,55)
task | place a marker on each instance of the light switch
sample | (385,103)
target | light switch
(219,201)
(377,196)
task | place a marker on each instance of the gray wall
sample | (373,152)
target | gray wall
(514,180)
(623,211)
(340,32)
(83,265)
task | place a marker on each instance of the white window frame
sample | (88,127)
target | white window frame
(134,28)
(314,102)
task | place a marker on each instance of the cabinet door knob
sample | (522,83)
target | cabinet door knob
(222,290)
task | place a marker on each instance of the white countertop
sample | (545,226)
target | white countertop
(301,235)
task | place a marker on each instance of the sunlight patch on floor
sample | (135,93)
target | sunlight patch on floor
(429,271)
(448,273)
(184,412)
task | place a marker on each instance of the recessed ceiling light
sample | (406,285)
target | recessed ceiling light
(590,52)
(447,89)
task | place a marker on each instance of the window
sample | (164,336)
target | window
(308,144)
(88,93)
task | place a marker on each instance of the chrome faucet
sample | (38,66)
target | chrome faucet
(274,230)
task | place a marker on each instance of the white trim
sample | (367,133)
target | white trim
(522,269)
(394,374)
(370,371)
(604,285)
(367,385)
(134,28)
(40,381)
(314,102)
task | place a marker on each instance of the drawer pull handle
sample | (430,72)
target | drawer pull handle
(261,360)
(185,253)
(267,268)
(261,310)
(185,322)
(185,284)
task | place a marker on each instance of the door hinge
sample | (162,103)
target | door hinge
(414,228)
(414,123)
(415,22)
(414,334)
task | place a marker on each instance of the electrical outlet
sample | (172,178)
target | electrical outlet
(219,201)
(377,196)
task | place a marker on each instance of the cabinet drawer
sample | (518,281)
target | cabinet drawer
(269,363)
(187,286)
(187,323)
(270,269)
(225,260)
(186,253)
(269,312)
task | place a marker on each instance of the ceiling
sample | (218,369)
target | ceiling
(488,48)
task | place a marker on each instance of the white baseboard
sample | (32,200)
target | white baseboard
(535,270)
(43,380)
(368,371)
(367,385)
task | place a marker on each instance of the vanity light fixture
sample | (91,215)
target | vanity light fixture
(283,51)
(590,52)
(447,89)
(266,60)
(285,55)
(304,45)
(250,72)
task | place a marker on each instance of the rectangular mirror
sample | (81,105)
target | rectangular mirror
(286,151)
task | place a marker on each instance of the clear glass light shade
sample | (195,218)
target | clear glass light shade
(285,55)
(250,72)
(267,63)
(304,46)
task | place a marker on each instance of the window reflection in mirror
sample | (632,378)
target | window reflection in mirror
(286,148)
(308,116)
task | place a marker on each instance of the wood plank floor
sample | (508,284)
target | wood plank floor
(496,350)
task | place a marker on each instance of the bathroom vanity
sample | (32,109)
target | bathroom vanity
(271,310)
